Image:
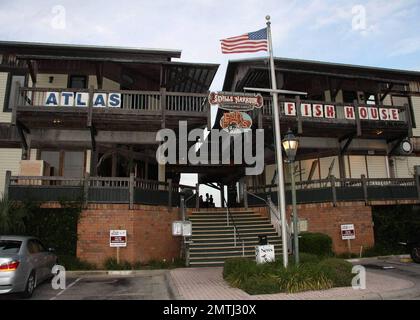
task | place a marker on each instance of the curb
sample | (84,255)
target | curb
(117,272)
(172,288)
(398,256)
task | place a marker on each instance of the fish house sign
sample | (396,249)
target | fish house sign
(329,111)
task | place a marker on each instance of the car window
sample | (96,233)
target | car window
(41,247)
(33,247)
(10,246)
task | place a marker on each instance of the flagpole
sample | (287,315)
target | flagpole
(281,201)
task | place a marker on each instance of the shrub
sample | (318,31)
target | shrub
(262,284)
(303,277)
(315,243)
(338,270)
(306,258)
(112,264)
(380,250)
(74,263)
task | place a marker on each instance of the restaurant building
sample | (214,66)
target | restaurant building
(81,121)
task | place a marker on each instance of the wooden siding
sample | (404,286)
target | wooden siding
(377,167)
(404,166)
(59,80)
(4,116)
(9,160)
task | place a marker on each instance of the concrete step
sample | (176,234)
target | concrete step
(229,228)
(221,244)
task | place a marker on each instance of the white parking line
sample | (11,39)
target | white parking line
(68,287)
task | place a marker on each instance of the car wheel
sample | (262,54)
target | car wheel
(415,254)
(30,286)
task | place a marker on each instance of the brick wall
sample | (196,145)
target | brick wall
(149,233)
(325,218)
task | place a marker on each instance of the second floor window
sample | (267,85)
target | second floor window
(78,82)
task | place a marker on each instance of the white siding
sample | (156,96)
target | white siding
(9,160)
(92,82)
(387,101)
(415,102)
(306,169)
(357,166)
(4,116)
(110,84)
(59,80)
(404,166)
(377,167)
(325,163)
(269,173)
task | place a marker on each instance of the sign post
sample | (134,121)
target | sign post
(118,239)
(348,233)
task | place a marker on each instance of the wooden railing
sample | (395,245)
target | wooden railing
(141,101)
(129,190)
(334,190)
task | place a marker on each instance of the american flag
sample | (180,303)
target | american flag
(248,42)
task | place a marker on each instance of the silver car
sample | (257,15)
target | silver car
(24,263)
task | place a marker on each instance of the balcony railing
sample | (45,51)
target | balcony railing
(337,190)
(132,101)
(126,190)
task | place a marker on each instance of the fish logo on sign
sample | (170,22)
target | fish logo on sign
(236,122)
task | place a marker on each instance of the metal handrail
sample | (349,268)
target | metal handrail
(273,210)
(236,233)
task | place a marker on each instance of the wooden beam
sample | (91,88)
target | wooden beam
(33,69)
(382,98)
(99,67)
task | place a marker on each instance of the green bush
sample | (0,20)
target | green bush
(380,250)
(112,264)
(262,284)
(337,270)
(319,244)
(74,263)
(313,273)
(306,258)
(303,277)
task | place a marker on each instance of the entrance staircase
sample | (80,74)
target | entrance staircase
(213,239)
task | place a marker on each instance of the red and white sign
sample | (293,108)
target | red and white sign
(329,111)
(347,232)
(117,238)
(236,102)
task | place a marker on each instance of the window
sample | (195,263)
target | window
(349,96)
(41,247)
(9,246)
(78,82)
(12,82)
(33,247)
(369,98)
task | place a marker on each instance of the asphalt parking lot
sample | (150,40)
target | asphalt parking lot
(146,286)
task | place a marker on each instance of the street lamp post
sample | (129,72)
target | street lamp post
(290,144)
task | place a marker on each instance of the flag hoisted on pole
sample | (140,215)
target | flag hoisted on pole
(246,43)
(261,41)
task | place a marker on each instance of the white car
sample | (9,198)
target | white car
(24,263)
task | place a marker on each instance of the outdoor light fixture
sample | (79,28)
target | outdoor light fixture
(290,145)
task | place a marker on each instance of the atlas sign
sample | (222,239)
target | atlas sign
(329,111)
(81,99)
(236,102)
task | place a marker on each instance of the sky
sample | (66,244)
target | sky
(380,33)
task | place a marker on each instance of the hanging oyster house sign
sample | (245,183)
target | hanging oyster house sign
(236,120)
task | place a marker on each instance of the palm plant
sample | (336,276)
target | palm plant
(12,216)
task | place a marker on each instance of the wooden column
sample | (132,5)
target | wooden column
(356,113)
(114,165)
(222,195)
(163,106)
